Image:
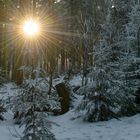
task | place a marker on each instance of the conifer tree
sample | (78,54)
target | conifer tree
(2,81)
(32,106)
(37,126)
(2,110)
(129,62)
(98,100)
(108,95)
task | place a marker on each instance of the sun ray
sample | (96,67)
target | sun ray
(27,32)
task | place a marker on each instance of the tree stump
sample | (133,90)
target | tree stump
(137,99)
(64,97)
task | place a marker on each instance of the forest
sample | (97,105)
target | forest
(66,64)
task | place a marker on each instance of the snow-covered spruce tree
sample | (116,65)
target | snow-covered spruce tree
(2,80)
(126,63)
(21,103)
(32,106)
(2,110)
(37,126)
(129,63)
(104,97)
(125,59)
(95,105)
(98,101)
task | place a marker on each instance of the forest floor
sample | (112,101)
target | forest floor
(68,128)
(128,128)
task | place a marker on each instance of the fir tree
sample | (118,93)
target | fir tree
(129,63)
(108,95)
(2,110)
(37,127)
(2,81)
(32,106)
(98,101)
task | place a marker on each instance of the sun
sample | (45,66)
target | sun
(31,28)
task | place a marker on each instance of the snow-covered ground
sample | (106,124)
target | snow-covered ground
(68,129)
(126,129)
(8,130)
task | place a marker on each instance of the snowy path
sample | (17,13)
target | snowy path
(126,129)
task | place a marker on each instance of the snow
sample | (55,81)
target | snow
(70,128)
(75,129)
(126,129)
(8,130)
(8,90)
(76,80)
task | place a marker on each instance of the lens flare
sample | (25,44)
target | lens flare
(31,28)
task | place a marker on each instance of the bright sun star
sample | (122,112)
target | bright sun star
(31,28)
